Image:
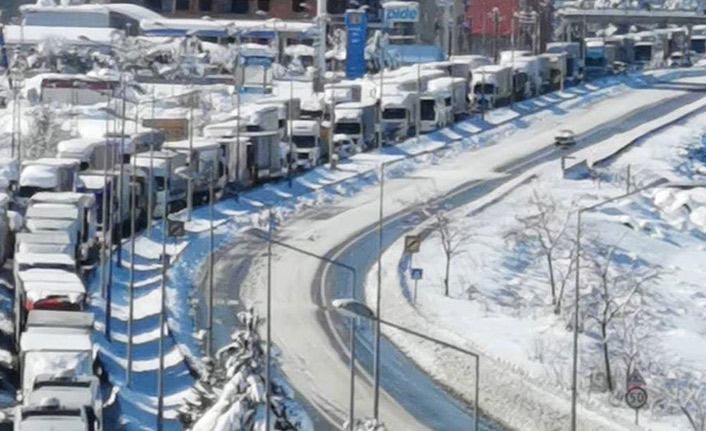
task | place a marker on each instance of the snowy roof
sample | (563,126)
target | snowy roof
(44,224)
(65,319)
(80,148)
(33,35)
(399,4)
(397,100)
(39,176)
(226,128)
(131,10)
(490,68)
(70,198)
(92,181)
(48,275)
(300,50)
(196,144)
(50,340)
(46,161)
(24,258)
(181,26)
(305,126)
(44,238)
(52,211)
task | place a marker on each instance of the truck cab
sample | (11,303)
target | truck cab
(50,414)
(202,154)
(47,175)
(434,113)
(306,139)
(398,114)
(170,187)
(86,215)
(54,351)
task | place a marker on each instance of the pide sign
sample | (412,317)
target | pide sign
(401,11)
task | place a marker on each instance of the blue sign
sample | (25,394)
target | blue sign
(417,273)
(356,37)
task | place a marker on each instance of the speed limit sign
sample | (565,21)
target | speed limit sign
(636,398)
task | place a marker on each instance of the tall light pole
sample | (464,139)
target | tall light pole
(162,307)
(355,309)
(122,152)
(574,376)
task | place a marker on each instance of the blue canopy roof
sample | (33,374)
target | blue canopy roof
(410,54)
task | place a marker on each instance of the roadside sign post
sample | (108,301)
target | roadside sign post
(412,243)
(416,274)
(636,396)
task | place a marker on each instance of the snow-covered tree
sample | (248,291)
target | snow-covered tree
(545,227)
(613,289)
(43,134)
(230,396)
(452,239)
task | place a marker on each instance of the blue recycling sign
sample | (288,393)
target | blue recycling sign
(417,273)
(356,38)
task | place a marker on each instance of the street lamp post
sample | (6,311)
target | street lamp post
(354,309)
(574,378)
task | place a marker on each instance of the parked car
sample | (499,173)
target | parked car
(565,139)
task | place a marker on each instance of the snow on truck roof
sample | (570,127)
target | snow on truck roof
(35,34)
(61,238)
(52,211)
(48,340)
(71,198)
(26,258)
(63,319)
(48,275)
(39,176)
(47,161)
(180,26)
(130,10)
(81,147)
(197,144)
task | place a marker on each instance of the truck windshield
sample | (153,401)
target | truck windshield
(394,114)
(29,191)
(643,53)
(484,89)
(428,113)
(595,61)
(304,141)
(347,128)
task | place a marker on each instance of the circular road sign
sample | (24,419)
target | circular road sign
(636,398)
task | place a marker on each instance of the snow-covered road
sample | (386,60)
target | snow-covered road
(308,336)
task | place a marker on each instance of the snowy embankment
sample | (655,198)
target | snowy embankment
(651,246)
(318,187)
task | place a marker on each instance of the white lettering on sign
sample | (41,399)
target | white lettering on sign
(407,13)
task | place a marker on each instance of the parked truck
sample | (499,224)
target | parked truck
(306,137)
(357,121)
(491,86)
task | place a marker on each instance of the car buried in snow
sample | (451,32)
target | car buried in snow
(565,139)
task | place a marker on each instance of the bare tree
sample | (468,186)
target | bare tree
(613,291)
(686,395)
(452,239)
(545,226)
(44,133)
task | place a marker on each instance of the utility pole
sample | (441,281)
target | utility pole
(131,299)
(122,152)
(268,320)
(211,261)
(162,308)
(320,71)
